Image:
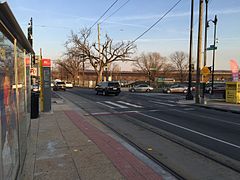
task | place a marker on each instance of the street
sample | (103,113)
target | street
(189,140)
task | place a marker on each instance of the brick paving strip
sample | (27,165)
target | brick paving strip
(127,164)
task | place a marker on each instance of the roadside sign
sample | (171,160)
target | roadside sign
(46,63)
(205,71)
(33,71)
(205,78)
(212,47)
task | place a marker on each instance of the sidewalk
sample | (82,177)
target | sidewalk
(217,104)
(66,145)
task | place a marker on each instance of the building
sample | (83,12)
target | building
(15,92)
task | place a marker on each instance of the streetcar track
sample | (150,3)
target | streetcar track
(166,136)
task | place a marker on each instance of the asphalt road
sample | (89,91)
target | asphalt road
(215,130)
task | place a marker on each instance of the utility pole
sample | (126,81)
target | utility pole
(99,49)
(205,45)
(214,44)
(189,94)
(199,52)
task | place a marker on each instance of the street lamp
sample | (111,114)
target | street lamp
(189,95)
(214,45)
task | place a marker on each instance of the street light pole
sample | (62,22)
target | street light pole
(189,95)
(214,44)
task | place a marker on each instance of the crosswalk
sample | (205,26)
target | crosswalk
(127,105)
(118,104)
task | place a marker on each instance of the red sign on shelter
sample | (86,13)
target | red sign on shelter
(27,61)
(46,62)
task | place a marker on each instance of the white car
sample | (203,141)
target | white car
(69,85)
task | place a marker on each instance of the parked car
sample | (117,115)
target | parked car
(177,88)
(59,86)
(218,88)
(141,88)
(69,85)
(108,87)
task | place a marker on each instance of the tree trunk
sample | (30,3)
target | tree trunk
(100,72)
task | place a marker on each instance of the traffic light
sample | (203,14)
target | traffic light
(192,67)
(33,59)
(30,36)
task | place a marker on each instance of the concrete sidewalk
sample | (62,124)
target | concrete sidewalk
(217,104)
(66,145)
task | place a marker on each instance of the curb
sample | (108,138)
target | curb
(218,109)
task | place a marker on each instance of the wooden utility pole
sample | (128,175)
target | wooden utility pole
(199,51)
(99,48)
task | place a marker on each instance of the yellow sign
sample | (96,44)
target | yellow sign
(205,71)
(205,78)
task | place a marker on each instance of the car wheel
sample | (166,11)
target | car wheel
(148,90)
(185,91)
(132,90)
(116,94)
(104,93)
(168,91)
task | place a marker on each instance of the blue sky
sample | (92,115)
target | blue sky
(54,19)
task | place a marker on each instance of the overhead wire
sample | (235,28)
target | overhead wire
(157,21)
(115,11)
(103,14)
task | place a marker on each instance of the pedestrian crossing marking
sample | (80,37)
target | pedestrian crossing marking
(166,104)
(129,104)
(105,105)
(115,104)
(118,104)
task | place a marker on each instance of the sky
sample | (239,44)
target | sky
(53,21)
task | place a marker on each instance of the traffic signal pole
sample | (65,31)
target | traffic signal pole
(189,94)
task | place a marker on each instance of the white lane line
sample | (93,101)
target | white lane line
(190,130)
(105,105)
(115,104)
(157,102)
(129,104)
(207,117)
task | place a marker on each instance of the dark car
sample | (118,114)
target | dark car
(108,87)
(59,86)
(177,88)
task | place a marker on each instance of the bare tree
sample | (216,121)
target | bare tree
(79,45)
(179,60)
(151,64)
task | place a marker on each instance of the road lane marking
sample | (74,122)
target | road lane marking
(115,104)
(129,104)
(105,105)
(157,102)
(190,130)
(111,113)
(232,123)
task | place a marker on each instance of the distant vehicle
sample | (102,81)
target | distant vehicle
(218,88)
(141,88)
(59,86)
(177,88)
(69,85)
(108,87)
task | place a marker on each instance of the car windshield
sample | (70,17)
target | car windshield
(60,82)
(114,84)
